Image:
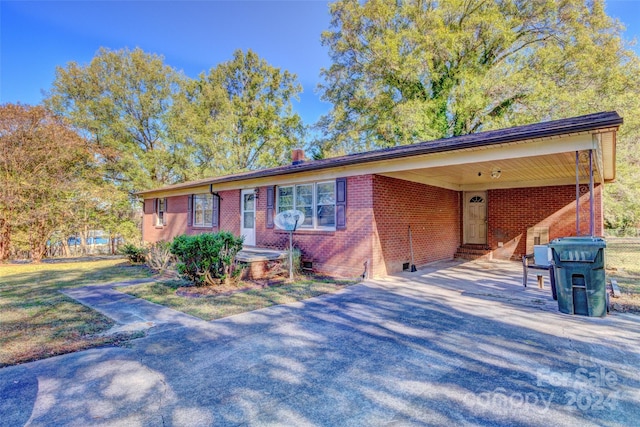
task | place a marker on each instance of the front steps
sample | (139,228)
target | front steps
(473,251)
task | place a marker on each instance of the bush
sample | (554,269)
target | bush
(297,262)
(135,254)
(159,256)
(207,259)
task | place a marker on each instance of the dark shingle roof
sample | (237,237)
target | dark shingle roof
(539,130)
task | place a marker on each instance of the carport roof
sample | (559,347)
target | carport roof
(571,126)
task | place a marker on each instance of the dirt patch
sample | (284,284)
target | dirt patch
(226,289)
(192,291)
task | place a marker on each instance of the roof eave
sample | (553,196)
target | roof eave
(528,132)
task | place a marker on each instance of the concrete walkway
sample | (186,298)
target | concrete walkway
(129,312)
(454,344)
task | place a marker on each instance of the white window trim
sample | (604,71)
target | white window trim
(193,211)
(314,224)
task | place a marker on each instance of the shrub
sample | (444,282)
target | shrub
(135,254)
(159,256)
(297,262)
(207,259)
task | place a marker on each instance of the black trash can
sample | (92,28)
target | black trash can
(580,277)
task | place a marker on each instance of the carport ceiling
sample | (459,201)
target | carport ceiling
(535,162)
(543,170)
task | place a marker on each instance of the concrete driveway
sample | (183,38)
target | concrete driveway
(453,344)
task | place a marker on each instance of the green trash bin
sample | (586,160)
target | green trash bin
(580,278)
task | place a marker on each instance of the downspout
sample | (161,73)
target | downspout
(142,221)
(215,193)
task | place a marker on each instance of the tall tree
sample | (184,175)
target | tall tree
(43,162)
(121,100)
(238,116)
(412,70)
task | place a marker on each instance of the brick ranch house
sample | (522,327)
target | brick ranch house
(491,194)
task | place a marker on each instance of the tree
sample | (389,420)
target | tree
(43,161)
(238,117)
(120,101)
(622,198)
(100,205)
(417,70)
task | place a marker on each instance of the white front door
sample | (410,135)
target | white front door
(475,217)
(248,217)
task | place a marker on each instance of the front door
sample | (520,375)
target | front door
(475,217)
(248,218)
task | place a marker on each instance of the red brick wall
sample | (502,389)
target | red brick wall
(338,253)
(230,211)
(512,211)
(177,222)
(433,214)
(377,236)
(379,212)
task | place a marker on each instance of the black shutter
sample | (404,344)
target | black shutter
(216,211)
(190,211)
(271,198)
(164,213)
(155,211)
(148,206)
(341,203)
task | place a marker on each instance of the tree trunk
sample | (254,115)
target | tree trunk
(5,240)
(83,240)
(40,232)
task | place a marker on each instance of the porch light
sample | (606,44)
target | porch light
(495,173)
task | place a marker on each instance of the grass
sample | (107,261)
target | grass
(623,264)
(210,307)
(37,321)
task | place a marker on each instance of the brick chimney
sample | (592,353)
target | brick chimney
(297,156)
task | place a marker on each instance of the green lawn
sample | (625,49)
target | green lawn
(211,307)
(623,264)
(37,321)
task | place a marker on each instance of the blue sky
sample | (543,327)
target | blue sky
(193,36)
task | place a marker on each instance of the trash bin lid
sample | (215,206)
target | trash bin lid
(578,248)
(579,240)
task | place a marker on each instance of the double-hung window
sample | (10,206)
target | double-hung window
(316,200)
(161,207)
(202,210)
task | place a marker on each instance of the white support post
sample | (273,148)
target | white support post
(592,211)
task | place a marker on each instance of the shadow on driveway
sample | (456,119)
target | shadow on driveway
(459,344)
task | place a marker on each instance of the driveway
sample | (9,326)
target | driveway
(452,344)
